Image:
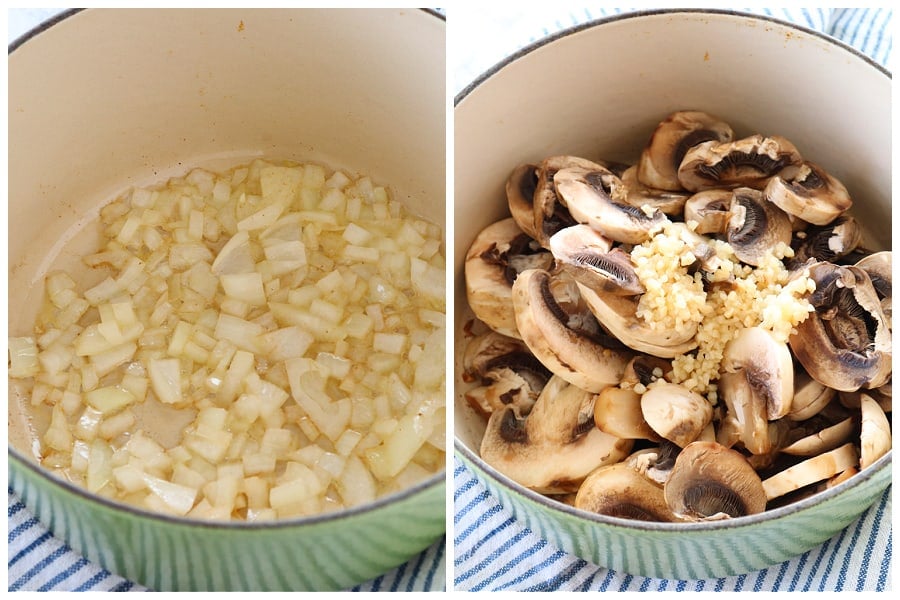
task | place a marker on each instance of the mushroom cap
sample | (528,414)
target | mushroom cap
(807,191)
(550,212)
(757,384)
(846,343)
(588,257)
(617,411)
(670,141)
(748,162)
(520,188)
(619,491)
(597,197)
(710,481)
(644,369)
(639,195)
(828,438)
(829,243)
(655,463)
(675,412)
(810,396)
(755,227)
(506,371)
(875,435)
(492,263)
(811,470)
(618,314)
(710,209)
(556,446)
(767,366)
(879,267)
(573,348)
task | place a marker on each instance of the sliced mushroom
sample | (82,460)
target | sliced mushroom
(643,369)
(710,209)
(748,162)
(828,243)
(494,260)
(550,211)
(823,440)
(878,266)
(618,314)
(619,491)
(655,463)
(520,188)
(755,227)
(672,138)
(845,344)
(506,371)
(675,412)
(617,411)
(881,395)
(587,257)
(556,446)
(811,470)
(808,192)
(841,477)
(712,482)
(570,345)
(596,197)
(875,432)
(757,384)
(779,435)
(639,195)
(810,396)
(766,365)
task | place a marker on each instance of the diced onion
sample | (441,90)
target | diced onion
(264,343)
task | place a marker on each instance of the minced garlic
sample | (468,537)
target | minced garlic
(768,296)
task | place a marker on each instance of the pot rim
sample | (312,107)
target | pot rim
(65,14)
(725,525)
(599,22)
(587,518)
(15,456)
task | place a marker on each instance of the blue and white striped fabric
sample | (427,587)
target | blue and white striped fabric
(492,550)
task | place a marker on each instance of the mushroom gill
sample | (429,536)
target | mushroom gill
(596,197)
(671,140)
(620,491)
(748,162)
(712,482)
(846,343)
(588,258)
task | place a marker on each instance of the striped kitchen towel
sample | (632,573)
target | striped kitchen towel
(491,549)
(40,562)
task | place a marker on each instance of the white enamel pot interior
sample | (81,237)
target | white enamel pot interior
(598,91)
(103,100)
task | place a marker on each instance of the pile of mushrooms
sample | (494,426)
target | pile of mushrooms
(577,391)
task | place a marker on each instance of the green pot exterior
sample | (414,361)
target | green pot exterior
(696,551)
(323,554)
